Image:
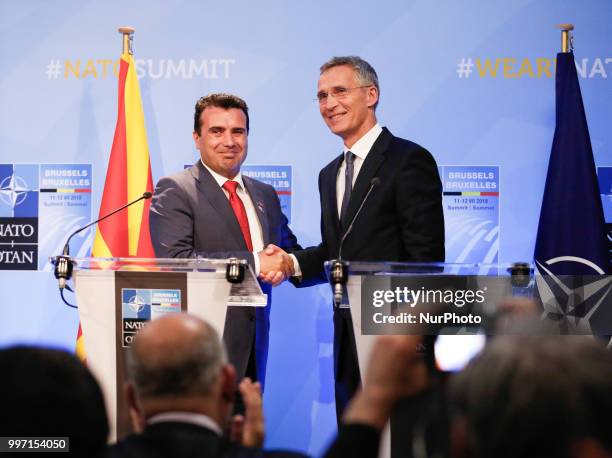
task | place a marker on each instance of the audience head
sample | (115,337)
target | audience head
(178,363)
(536,396)
(50,393)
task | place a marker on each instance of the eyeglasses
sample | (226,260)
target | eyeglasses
(337,93)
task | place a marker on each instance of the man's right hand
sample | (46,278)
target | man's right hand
(275,265)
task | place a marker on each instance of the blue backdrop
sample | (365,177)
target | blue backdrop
(472,81)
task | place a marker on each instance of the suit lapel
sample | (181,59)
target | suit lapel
(370,167)
(329,198)
(219,201)
(258,201)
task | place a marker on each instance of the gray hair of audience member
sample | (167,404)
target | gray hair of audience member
(189,366)
(535,396)
(366,75)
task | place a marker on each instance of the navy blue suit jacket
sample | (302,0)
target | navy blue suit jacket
(402,219)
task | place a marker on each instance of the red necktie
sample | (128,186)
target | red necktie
(239,211)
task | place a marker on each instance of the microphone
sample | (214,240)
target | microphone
(339,268)
(373,183)
(63,263)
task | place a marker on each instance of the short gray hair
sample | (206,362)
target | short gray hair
(535,386)
(366,75)
(191,371)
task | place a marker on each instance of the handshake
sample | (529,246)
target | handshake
(275,265)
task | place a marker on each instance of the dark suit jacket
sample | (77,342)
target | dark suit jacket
(185,440)
(191,216)
(402,219)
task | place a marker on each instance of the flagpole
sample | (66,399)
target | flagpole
(128,39)
(567,38)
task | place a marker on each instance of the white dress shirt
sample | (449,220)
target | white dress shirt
(360,149)
(254,224)
(187,417)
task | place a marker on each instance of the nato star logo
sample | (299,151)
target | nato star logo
(13,190)
(572,301)
(137,303)
(18,190)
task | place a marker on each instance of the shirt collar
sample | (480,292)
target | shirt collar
(220,179)
(362,147)
(198,419)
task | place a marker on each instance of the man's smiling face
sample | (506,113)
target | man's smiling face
(222,140)
(346,104)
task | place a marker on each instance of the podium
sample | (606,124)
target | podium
(117,296)
(365,281)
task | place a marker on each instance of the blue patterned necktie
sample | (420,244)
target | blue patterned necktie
(348,187)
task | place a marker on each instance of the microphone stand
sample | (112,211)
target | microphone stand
(64,265)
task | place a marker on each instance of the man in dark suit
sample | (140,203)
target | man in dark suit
(402,218)
(212,210)
(181,390)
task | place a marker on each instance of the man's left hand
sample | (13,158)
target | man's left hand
(249,430)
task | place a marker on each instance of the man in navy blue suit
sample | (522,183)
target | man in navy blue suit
(402,219)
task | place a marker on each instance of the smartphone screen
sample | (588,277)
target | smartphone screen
(453,352)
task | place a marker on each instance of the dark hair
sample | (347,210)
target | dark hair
(50,393)
(533,396)
(366,75)
(219,100)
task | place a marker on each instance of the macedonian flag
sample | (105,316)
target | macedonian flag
(128,176)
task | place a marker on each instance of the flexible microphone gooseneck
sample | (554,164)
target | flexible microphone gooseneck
(339,267)
(373,183)
(66,252)
(64,265)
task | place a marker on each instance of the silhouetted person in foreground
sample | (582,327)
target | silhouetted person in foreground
(544,396)
(181,393)
(50,393)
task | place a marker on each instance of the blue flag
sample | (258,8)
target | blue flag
(571,237)
(571,234)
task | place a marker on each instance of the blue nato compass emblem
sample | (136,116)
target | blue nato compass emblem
(136,308)
(136,304)
(18,190)
(13,191)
